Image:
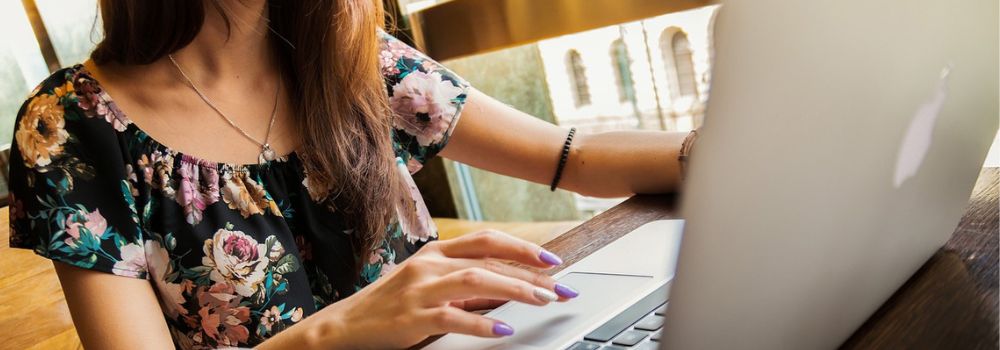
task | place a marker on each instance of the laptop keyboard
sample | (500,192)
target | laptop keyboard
(638,327)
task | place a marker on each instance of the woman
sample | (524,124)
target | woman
(232,173)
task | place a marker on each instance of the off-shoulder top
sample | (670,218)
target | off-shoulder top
(235,252)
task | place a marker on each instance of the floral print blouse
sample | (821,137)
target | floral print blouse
(235,252)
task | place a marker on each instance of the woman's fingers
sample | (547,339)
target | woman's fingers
(495,244)
(478,304)
(447,319)
(539,279)
(481,283)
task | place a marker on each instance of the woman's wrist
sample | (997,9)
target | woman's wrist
(317,332)
(685,152)
(325,333)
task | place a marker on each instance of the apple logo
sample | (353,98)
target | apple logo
(917,140)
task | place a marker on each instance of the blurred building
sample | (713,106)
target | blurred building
(650,74)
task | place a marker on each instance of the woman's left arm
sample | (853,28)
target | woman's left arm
(501,139)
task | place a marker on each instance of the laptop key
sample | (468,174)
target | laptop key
(612,347)
(662,310)
(584,345)
(647,346)
(629,338)
(656,336)
(650,323)
(627,318)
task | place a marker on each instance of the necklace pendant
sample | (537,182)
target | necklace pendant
(266,154)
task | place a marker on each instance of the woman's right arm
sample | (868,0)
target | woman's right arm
(420,298)
(70,201)
(424,296)
(113,312)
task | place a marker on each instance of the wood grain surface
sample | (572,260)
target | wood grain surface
(950,303)
(33,311)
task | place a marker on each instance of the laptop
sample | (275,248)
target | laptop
(841,142)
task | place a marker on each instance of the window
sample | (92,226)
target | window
(683,64)
(73,27)
(623,71)
(677,52)
(578,77)
(67,36)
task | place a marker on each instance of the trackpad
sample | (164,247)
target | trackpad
(600,294)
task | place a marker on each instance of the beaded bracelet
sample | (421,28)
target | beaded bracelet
(562,159)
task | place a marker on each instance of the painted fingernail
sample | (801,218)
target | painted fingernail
(549,258)
(565,291)
(545,294)
(502,329)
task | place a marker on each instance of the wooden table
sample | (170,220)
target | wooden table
(950,303)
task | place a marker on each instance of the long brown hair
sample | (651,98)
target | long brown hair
(339,94)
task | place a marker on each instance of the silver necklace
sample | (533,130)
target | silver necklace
(266,153)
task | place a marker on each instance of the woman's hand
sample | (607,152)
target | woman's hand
(430,293)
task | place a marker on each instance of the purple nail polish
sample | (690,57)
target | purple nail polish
(565,291)
(502,329)
(549,258)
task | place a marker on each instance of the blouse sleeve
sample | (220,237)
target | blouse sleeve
(69,198)
(426,99)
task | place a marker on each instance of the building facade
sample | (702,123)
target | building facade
(651,74)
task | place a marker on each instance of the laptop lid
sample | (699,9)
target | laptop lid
(840,145)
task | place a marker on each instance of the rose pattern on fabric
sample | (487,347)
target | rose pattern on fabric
(317,189)
(272,319)
(16,207)
(41,137)
(220,317)
(413,166)
(161,270)
(90,102)
(242,193)
(133,260)
(94,102)
(162,173)
(92,226)
(414,218)
(145,167)
(236,253)
(41,133)
(423,103)
(236,259)
(80,237)
(199,187)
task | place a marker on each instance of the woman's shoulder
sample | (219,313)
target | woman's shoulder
(426,99)
(50,94)
(70,87)
(64,112)
(68,96)
(397,60)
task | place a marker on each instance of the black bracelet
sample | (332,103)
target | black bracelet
(562,159)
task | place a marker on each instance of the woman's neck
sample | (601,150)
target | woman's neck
(224,50)
(219,57)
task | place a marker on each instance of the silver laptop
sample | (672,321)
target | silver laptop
(841,143)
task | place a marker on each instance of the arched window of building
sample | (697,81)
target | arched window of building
(677,53)
(578,78)
(623,71)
